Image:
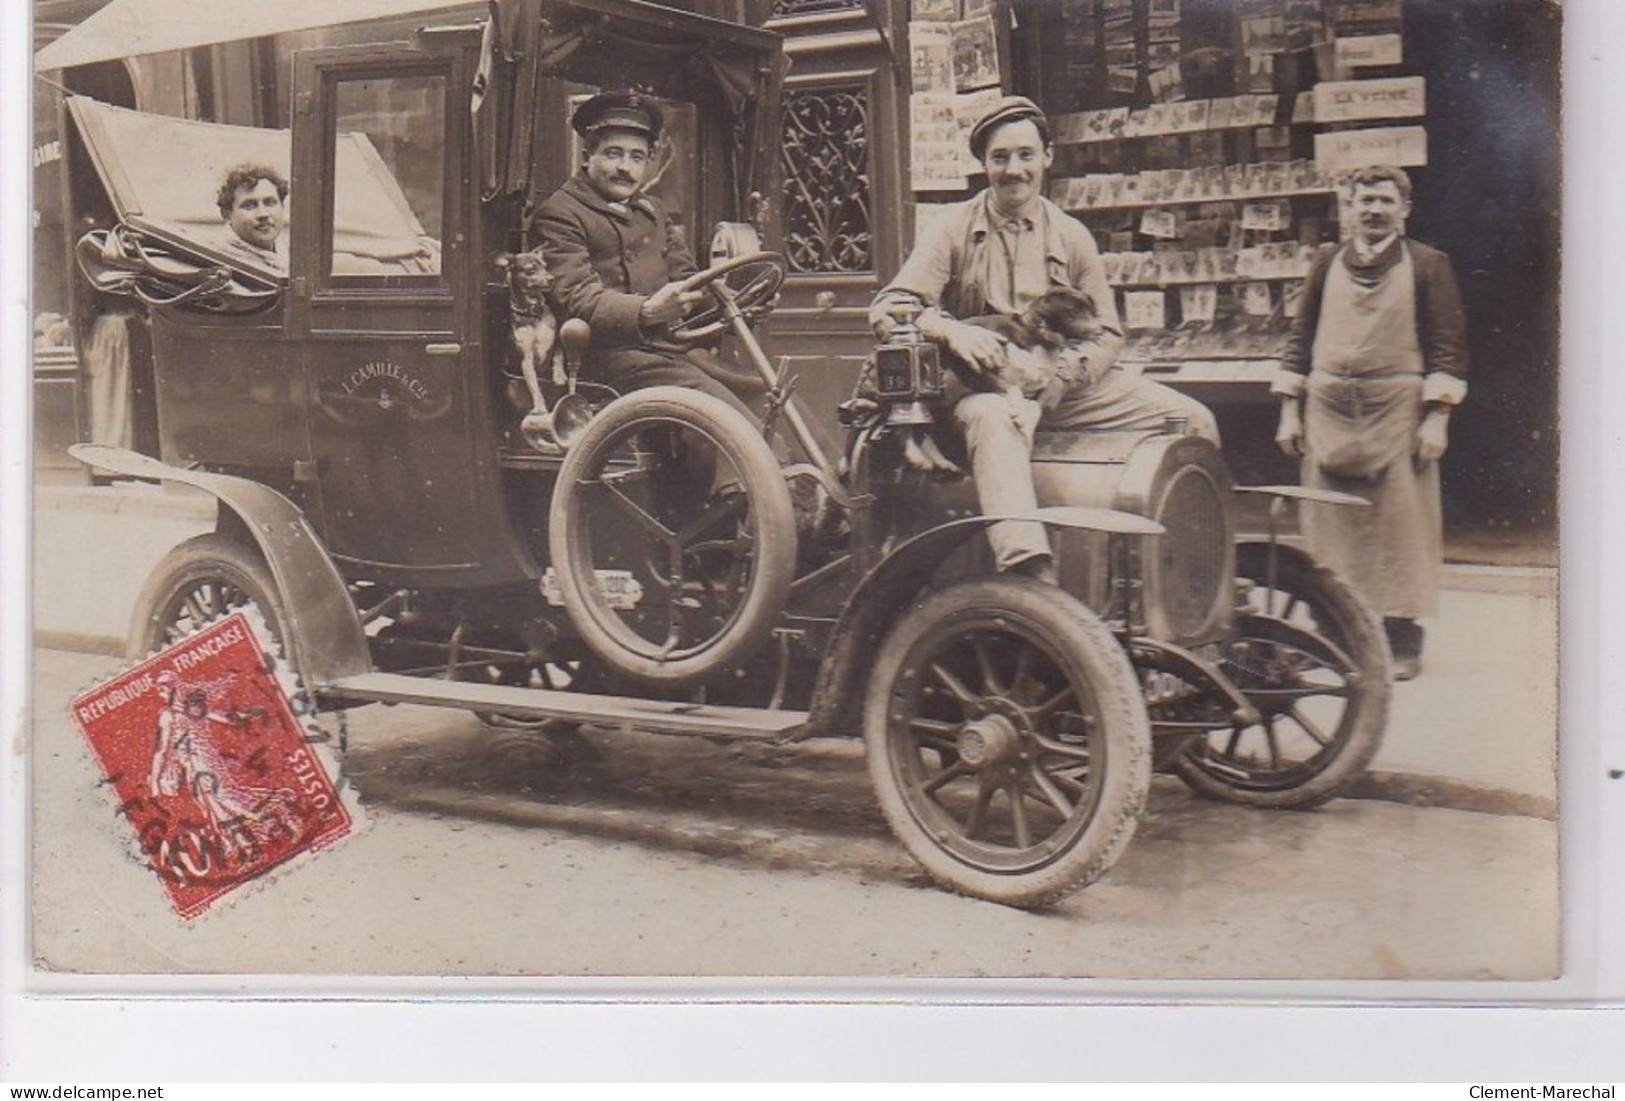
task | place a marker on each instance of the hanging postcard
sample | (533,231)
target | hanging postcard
(976,54)
(1255,299)
(940,11)
(934,143)
(1198,305)
(1145,310)
(931,56)
(1160,224)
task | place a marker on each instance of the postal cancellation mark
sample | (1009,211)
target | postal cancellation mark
(211,767)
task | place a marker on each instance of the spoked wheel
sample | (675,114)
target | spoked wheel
(1007,741)
(672,536)
(1312,658)
(204,578)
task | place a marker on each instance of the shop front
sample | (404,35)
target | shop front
(1203,143)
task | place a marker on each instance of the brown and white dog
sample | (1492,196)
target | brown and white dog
(535,329)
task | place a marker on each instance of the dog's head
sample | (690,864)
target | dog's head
(527,272)
(1060,317)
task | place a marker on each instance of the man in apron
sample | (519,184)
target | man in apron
(1376,361)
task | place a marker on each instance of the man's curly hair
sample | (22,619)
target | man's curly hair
(247,175)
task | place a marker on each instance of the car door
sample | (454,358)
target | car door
(383,293)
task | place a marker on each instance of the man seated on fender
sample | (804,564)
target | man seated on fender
(618,259)
(996,254)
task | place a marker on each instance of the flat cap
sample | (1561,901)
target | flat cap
(618,111)
(1008,109)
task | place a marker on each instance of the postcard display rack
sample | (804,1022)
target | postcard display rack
(1204,144)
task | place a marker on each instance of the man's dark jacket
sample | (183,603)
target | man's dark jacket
(606,261)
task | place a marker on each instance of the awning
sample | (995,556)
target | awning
(128,28)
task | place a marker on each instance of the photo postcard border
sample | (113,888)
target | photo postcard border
(1593,825)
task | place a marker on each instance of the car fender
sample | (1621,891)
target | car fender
(881,596)
(327,641)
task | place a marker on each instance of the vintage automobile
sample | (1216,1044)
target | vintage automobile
(655,560)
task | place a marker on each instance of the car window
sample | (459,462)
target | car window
(389,178)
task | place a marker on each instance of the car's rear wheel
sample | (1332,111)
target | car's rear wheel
(1312,658)
(1008,741)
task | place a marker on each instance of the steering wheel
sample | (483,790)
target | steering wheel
(749,293)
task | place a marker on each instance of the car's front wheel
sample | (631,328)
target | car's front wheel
(1007,740)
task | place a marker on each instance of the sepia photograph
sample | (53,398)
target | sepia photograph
(547,491)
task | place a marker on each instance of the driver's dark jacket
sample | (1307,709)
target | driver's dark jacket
(605,261)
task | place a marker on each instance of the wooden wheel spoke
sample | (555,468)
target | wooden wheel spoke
(1293,603)
(934,733)
(195,607)
(978,812)
(1273,742)
(1024,664)
(1313,692)
(984,664)
(1048,707)
(1310,727)
(1072,778)
(1063,749)
(1018,815)
(946,776)
(1052,793)
(952,683)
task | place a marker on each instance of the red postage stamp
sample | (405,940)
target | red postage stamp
(212,768)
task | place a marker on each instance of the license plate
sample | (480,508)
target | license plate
(620,588)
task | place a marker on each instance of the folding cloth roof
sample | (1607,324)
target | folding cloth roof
(161,174)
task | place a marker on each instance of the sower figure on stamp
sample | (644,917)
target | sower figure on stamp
(618,258)
(1376,361)
(996,254)
(188,762)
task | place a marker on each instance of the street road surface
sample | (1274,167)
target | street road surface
(675,857)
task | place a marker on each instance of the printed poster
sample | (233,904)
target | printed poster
(935,143)
(976,54)
(931,57)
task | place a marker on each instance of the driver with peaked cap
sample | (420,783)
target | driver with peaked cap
(618,258)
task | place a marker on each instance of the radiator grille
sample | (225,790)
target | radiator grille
(1192,572)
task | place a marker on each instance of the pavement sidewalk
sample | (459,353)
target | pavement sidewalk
(1477,731)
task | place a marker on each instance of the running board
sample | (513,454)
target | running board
(610,712)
